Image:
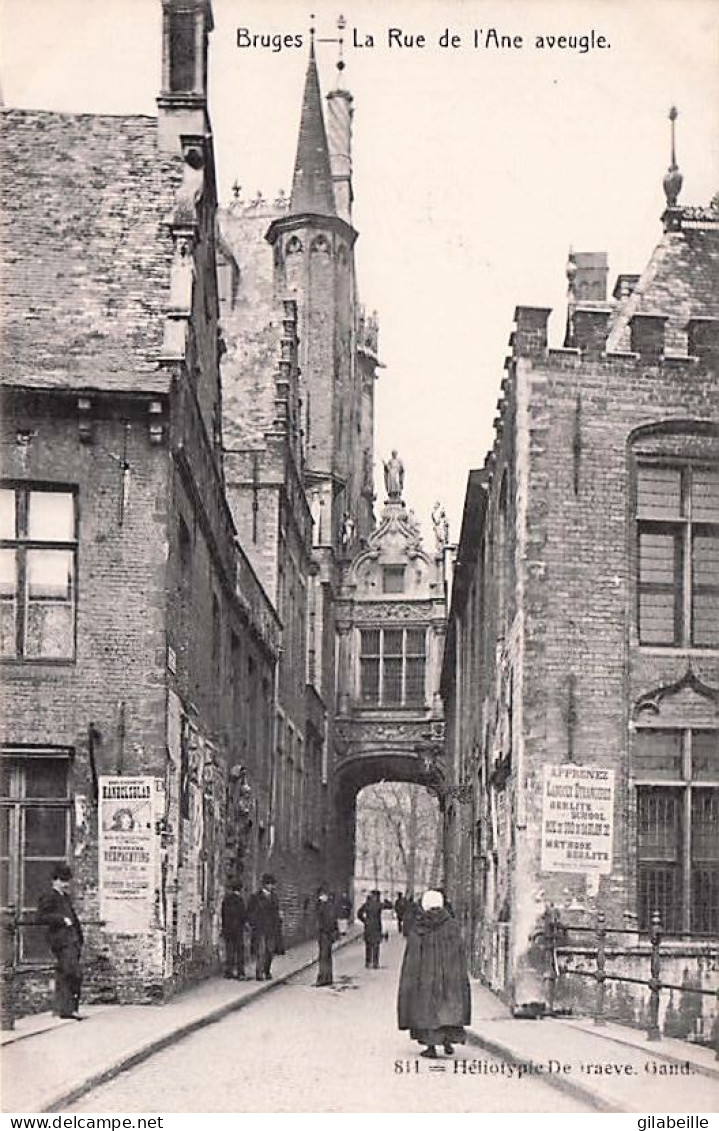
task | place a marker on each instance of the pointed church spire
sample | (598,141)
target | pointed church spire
(312,182)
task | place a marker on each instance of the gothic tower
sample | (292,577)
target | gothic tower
(314,263)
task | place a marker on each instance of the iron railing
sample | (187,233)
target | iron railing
(555,941)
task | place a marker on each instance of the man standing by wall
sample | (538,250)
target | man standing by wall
(234,917)
(370,915)
(327,934)
(264,914)
(64,937)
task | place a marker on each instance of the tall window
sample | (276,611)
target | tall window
(677,775)
(392,662)
(678,532)
(38,558)
(34,836)
(182,51)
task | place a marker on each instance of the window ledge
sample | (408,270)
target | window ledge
(673,651)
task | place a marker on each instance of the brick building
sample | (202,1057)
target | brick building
(138,645)
(581,674)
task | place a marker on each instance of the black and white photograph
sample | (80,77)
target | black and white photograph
(359,559)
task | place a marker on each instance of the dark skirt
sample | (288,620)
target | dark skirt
(451,1034)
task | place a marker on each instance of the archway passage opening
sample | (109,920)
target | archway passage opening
(398,840)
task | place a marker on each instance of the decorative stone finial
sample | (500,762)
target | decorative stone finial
(672,178)
(312,33)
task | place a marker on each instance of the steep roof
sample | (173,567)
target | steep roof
(85,253)
(312,189)
(680,281)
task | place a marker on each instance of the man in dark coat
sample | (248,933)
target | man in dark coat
(370,915)
(399,910)
(264,915)
(234,916)
(434,1000)
(327,933)
(65,939)
(408,917)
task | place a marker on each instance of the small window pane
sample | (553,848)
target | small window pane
(8,603)
(705,496)
(657,558)
(705,900)
(37,880)
(51,516)
(45,777)
(659,492)
(415,642)
(370,642)
(393,642)
(705,825)
(7,514)
(5,777)
(370,680)
(392,689)
(414,691)
(657,754)
(659,889)
(705,560)
(50,597)
(705,619)
(45,832)
(659,824)
(705,755)
(33,945)
(5,883)
(4,832)
(657,623)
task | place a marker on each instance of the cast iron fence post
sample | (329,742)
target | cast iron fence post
(655,938)
(600,973)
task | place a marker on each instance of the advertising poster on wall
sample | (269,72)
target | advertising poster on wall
(577,819)
(128,852)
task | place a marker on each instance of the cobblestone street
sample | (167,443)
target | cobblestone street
(321,1050)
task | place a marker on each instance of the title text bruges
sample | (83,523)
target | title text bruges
(401,39)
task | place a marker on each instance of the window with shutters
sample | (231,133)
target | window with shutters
(34,836)
(677,776)
(678,555)
(38,566)
(392,666)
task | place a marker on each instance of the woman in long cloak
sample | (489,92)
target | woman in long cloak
(434,1000)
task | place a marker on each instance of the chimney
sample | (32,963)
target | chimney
(182,104)
(588,281)
(530,335)
(591,327)
(647,335)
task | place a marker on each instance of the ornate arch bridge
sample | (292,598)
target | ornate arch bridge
(391,618)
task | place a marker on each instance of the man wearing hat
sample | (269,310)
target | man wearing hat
(64,937)
(264,916)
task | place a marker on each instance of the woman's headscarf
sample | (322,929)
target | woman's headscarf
(432,899)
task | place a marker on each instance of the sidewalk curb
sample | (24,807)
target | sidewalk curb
(75,1091)
(656,1053)
(569,1087)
